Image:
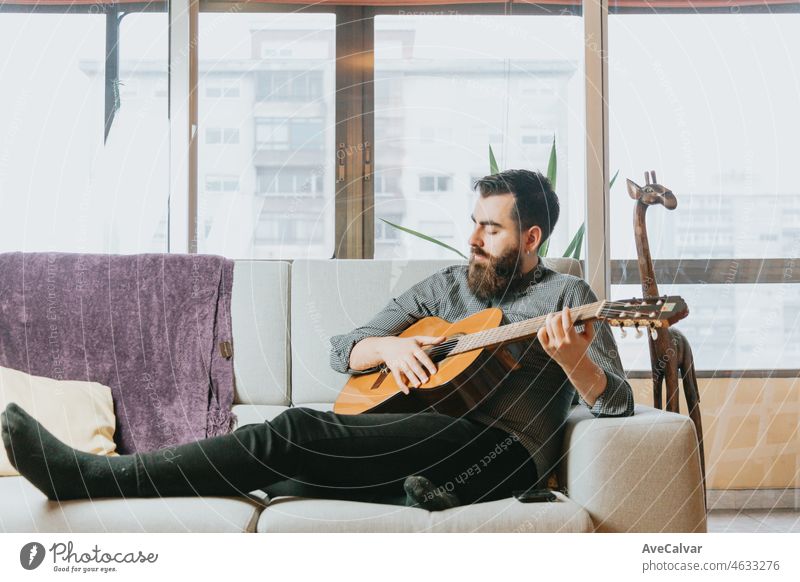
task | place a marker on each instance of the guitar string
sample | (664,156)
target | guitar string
(488,337)
(521,328)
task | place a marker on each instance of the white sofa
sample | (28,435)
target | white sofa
(640,473)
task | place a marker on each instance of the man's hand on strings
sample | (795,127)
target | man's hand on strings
(407,360)
(562,342)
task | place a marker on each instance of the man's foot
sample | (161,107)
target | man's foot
(420,492)
(56,469)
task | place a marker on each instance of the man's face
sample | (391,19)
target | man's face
(495,260)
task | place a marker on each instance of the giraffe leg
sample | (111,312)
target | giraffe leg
(658,379)
(667,364)
(671,380)
(692,393)
(657,373)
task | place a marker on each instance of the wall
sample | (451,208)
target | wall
(751,430)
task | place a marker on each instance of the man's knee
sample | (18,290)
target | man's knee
(297,423)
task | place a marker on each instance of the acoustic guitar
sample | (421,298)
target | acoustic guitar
(473,359)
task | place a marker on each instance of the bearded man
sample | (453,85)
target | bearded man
(510,440)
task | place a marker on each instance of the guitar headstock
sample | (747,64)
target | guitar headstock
(648,312)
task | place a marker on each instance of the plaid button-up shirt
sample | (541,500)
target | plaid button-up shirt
(533,401)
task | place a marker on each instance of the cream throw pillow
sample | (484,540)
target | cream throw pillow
(79,413)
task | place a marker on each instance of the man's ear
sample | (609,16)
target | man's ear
(532,237)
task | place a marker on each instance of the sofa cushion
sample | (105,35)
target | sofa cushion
(23,508)
(81,414)
(298,514)
(260,320)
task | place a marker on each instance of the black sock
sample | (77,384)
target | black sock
(420,492)
(57,469)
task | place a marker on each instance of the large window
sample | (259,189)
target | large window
(716,116)
(318,125)
(84,143)
(268,113)
(448,87)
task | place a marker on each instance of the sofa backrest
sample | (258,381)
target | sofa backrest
(260,325)
(284,315)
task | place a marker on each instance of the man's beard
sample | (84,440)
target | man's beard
(493,278)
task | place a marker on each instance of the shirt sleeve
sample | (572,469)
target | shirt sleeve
(617,399)
(418,302)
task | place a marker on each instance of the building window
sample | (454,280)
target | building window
(290,181)
(290,134)
(387,184)
(386,233)
(226,184)
(537,137)
(435,183)
(271,52)
(222,135)
(288,85)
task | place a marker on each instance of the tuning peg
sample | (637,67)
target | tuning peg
(622,332)
(638,331)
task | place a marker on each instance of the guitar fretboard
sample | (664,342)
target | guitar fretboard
(521,330)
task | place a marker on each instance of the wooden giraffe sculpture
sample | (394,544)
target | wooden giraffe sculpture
(670,353)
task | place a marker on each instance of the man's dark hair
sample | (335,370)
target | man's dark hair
(536,202)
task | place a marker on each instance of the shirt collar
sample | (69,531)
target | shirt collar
(533,276)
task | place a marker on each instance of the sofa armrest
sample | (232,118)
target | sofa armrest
(635,474)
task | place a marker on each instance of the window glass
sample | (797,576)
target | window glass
(449,86)
(64,186)
(274,125)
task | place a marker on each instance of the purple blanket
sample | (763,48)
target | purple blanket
(155,328)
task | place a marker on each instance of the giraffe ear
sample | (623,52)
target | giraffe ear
(634,190)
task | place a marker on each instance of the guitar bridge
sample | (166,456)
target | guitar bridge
(383,373)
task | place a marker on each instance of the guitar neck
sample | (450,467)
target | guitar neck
(522,330)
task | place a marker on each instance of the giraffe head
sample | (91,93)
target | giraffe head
(652,192)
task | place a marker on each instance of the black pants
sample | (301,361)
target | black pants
(359,457)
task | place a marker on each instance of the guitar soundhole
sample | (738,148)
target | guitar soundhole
(441,351)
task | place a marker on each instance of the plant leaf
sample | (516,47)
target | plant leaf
(576,244)
(493,167)
(426,237)
(552,165)
(611,184)
(543,248)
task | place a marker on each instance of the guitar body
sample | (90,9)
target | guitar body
(461,381)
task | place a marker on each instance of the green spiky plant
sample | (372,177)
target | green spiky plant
(573,248)
(576,244)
